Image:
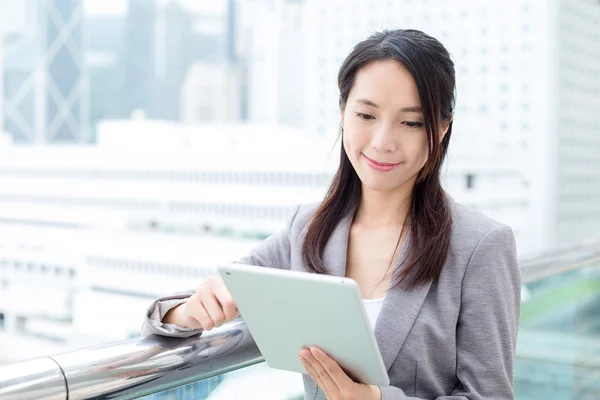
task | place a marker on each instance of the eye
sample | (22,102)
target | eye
(412,124)
(365,117)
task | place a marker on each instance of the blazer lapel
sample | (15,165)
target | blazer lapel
(336,249)
(400,307)
(398,314)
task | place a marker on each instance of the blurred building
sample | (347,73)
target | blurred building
(211,92)
(572,118)
(65,288)
(107,72)
(174,56)
(163,40)
(79,224)
(272,55)
(45,82)
(231,31)
(138,57)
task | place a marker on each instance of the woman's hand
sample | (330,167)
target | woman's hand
(210,307)
(332,380)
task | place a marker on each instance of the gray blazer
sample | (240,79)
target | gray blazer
(451,339)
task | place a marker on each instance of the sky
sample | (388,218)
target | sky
(119,7)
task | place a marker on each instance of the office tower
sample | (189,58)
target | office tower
(45,79)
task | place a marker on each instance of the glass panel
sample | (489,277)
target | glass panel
(558,350)
(258,382)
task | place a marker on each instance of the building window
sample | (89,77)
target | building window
(470,181)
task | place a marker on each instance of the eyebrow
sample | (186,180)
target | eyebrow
(413,109)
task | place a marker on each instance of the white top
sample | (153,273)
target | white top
(373,307)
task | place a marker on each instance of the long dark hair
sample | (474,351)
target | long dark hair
(429,218)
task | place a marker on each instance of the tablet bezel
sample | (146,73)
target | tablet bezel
(358,354)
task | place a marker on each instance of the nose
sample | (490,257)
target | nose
(383,140)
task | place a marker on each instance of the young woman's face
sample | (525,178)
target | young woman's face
(384,133)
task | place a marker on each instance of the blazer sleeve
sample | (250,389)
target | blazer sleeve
(488,322)
(273,252)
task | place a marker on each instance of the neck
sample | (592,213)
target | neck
(380,209)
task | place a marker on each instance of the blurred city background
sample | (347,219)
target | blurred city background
(143,142)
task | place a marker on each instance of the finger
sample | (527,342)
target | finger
(193,323)
(212,307)
(313,374)
(224,298)
(199,313)
(185,315)
(333,369)
(315,377)
(325,380)
(309,370)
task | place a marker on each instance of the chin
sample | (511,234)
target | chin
(380,186)
(385,183)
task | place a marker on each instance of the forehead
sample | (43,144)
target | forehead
(387,83)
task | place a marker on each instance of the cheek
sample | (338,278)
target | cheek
(351,141)
(356,136)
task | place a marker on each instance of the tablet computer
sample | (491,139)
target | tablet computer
(288,310)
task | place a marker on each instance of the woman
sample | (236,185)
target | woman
(440,279)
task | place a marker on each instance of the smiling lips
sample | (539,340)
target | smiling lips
(379,166)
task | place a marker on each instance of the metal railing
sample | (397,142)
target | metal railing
(131,369)
(558,262)
(135,368)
